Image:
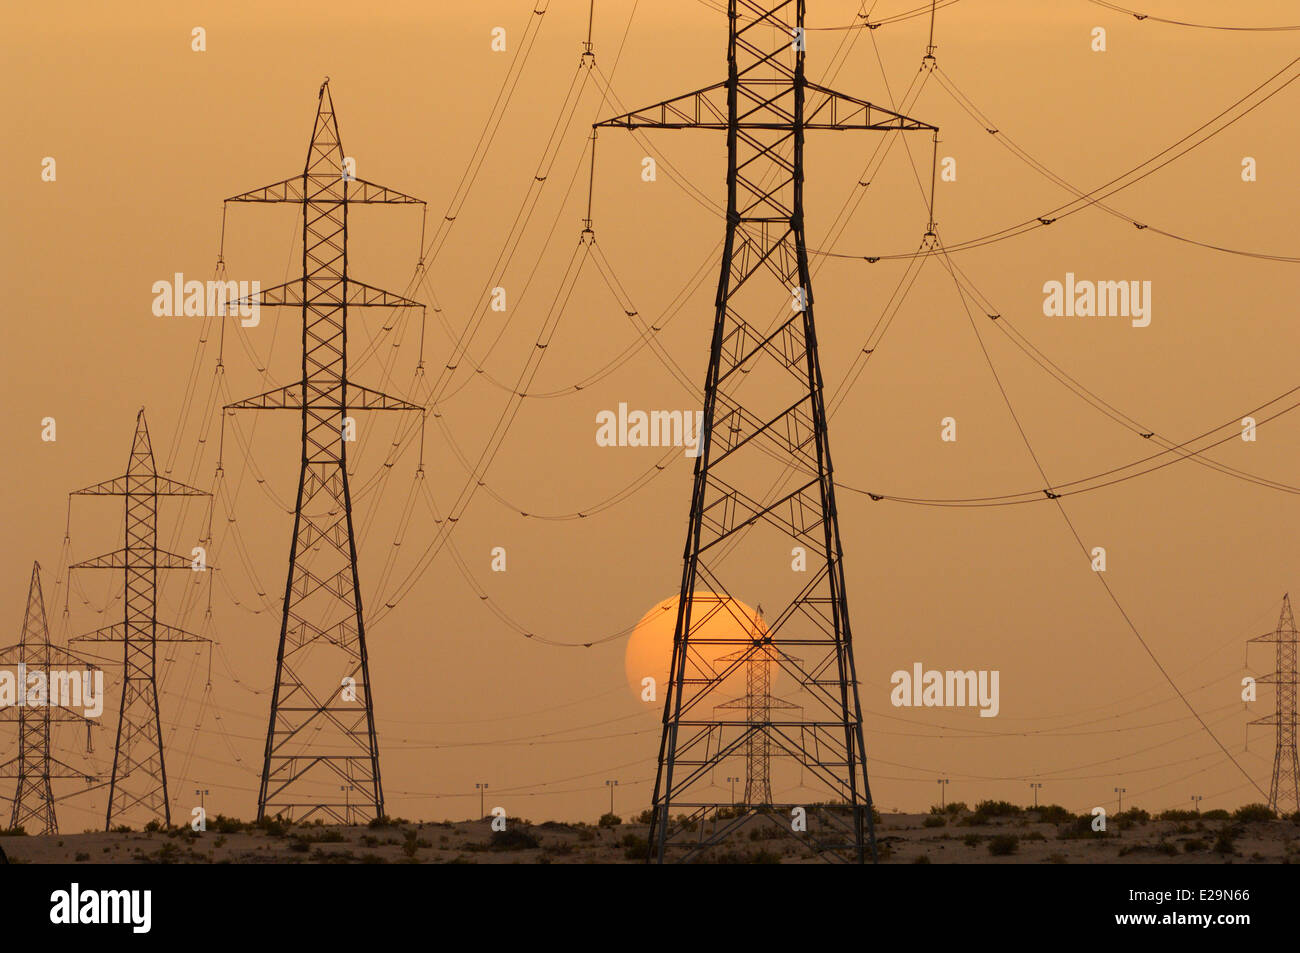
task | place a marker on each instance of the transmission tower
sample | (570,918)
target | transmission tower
(35,765)
(757,704)
(139,776)
(766,106)
(320,742)
(1286,769)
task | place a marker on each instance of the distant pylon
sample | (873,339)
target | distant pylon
(1285,787)
(763,478)
(757,703)
(320,742)
(35,764)
(139,771)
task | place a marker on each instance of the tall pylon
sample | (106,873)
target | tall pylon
(1285,788)
(321,744)
(139,778)
(763,478)
(757,704)
(35,765)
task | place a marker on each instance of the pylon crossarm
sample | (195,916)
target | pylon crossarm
(158,632)
(133,485)
(129,559)
(849,112)
(359,295)
(317,185)
(695,110)
(289,397)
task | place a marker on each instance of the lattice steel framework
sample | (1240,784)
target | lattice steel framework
(139,778)
(321,745)
(757,704)
(766,105)
(35,766)
(1285,787)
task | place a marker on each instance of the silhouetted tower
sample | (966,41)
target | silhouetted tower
(763,479)
(35,765)
(139,772)
(1286,769)
(320,742)
(757,704)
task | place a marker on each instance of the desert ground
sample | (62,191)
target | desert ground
(994,832)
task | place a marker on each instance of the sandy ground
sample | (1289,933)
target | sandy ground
(903,838)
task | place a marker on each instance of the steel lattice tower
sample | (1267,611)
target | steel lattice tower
(757,704)
(318,740)
(139,776)
(766,105)
(1286,768)
(35,765)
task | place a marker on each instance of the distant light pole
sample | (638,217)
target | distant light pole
(611,785)
(202,793)
(733,790)
(1120,792)
(1035,785)
(943,787)
(481,787)
(1196,802)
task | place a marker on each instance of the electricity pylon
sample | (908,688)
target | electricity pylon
(1286,769)
(757,704)
(321,740)
(35,765)
(139,776)
(766,106)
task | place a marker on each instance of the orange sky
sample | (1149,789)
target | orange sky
(149,137)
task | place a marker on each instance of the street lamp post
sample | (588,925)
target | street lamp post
(611,785)
(1196,802)
(1120,792)
(943,787)
(733,790)
(1035,785)
(481,787)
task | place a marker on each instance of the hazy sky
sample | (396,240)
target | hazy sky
(149,137)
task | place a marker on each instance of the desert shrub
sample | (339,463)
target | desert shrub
(646,816)
(971,840)
(1218,814)
(1225,842)
(934,820)
(635,848)
(609,819)
(82,855)
(956,807)
(1177,816)
(513,839)
(921,859)
(274,826)
(1193,845)
(1133,816)
(225,825)
(1249,813)
(1003,845)
(997,809)
(1053,814)
(1081,826)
